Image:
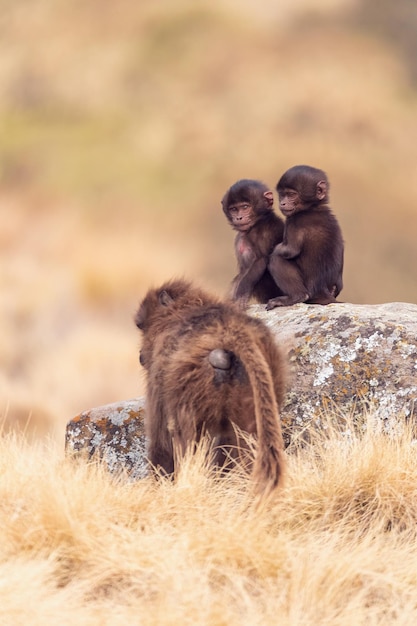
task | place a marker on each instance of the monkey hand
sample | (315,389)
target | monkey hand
(271,304)
(285,251)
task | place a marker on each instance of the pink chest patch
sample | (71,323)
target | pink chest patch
(244,249)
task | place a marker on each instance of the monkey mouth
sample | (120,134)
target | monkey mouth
(242,227)
(287,212)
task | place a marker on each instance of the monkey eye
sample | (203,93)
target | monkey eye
(288,194)
(239,207)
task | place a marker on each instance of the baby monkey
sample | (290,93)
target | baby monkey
(308,264)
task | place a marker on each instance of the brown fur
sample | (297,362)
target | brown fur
(308,264)
(210,367)
(248,206)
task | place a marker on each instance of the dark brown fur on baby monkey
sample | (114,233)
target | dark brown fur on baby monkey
(308,264)
(210,367)
(248,208)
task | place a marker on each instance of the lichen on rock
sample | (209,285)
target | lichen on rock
(114,432)
(347,356)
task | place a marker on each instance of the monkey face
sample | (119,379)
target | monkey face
(242,216)
(300,188)
(246,202)
(290,202)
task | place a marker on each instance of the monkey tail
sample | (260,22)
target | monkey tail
(269,465)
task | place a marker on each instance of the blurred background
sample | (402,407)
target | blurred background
(123,123)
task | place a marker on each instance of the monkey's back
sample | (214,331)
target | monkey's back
(190,385)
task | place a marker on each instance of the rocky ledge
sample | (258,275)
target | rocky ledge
(343,358)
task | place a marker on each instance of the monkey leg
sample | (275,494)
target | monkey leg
(161,459)
(288,278)
(323,298)
(246,281)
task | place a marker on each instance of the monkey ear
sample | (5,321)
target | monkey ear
(321,190)
(164,298)
(140,317)
(269,197)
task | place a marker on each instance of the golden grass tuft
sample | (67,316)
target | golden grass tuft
(336,546)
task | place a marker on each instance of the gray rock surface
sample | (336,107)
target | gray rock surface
(343,358)
(114,432)
(346,358)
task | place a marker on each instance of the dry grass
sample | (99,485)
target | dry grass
(337,546)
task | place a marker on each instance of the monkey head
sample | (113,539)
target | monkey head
(246,202)
(301,188)
(162,306)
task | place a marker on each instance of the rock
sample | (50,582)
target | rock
(343,358)
(346,358)
(114,432)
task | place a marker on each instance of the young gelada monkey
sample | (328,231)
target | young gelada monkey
(308,264)
(248,206)
(210,367)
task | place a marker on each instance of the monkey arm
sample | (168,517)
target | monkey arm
(288,250)
(245,281)
(293,243)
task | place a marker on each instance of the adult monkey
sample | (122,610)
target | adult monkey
(308,264)
(210,367)
(248,208)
